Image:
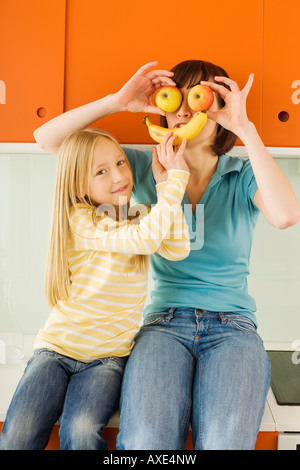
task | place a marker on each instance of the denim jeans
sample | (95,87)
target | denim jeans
(83,396)
(190,366)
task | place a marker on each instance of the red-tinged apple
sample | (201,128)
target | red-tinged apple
(200,98)
(168,98)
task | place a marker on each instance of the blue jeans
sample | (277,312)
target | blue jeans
(190,366)
(83,396)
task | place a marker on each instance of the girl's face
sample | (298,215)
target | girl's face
(184,114)
(111,179)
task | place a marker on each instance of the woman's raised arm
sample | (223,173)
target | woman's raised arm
(274,197)
(134,96)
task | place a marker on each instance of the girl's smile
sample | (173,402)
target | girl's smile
(110,178)
(122,189)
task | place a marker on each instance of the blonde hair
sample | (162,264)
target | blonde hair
(73,170)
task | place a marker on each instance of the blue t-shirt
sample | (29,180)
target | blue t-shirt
(214,276)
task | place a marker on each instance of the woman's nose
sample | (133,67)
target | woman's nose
(184,110)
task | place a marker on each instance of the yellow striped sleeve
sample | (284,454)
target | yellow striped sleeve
(176,244)
(129,237)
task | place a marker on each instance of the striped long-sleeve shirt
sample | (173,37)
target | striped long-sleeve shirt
(102,314)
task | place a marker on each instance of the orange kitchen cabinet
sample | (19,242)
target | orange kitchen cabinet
(32,40)
(281,74)
(267,440)
(106,42)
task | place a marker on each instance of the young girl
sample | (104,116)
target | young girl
(96,283)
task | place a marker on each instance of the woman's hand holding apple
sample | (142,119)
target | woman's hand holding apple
(135,95)
(233,116)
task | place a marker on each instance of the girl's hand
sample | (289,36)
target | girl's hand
(135,95)
(159,171)
(233,116)
(167,157)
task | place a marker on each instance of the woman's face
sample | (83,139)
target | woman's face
(184,114)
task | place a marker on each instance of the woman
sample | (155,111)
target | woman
(198,357)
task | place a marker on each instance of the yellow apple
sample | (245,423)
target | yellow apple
(168,98)
(200,98)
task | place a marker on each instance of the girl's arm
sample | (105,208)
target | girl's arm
(134,96)
(175,245)
(145,237)
(274,196)
(149,234)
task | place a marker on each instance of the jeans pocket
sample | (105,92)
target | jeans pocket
(159,318)
(117,361)
(50,352)
(239,322)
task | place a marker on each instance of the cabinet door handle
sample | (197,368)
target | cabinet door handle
(41,112)
(283,116)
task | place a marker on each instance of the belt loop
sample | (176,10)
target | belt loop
(170,314)
(223,318)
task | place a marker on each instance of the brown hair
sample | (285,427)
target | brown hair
(189,73)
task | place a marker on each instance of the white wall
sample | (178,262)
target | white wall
(275,271)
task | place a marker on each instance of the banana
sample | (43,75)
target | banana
(189,131)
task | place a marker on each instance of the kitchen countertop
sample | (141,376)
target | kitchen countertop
(276,417)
